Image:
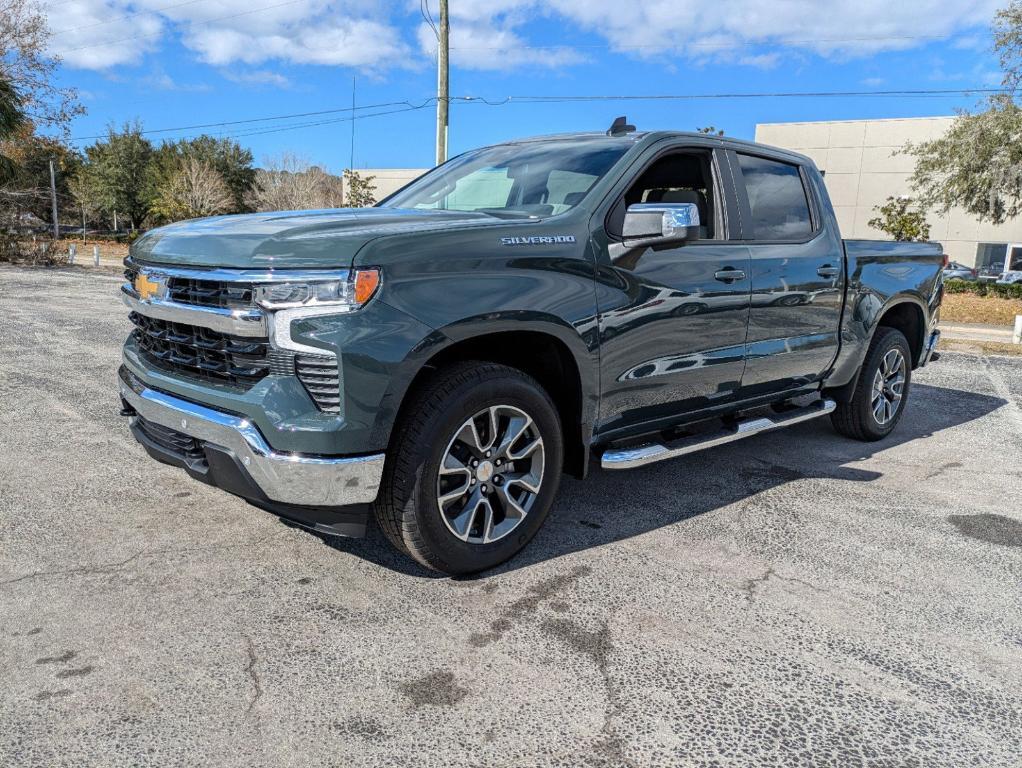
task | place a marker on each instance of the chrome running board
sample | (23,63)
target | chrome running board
(640,455)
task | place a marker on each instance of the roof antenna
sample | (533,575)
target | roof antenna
(620,127)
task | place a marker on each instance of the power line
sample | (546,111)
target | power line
(714,45)
(427,16)
(777,95)
(407,106)
(256,119)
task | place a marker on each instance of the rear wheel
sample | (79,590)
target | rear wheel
(473,470)
(881,390)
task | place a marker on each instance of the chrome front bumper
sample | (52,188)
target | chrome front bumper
(290,479)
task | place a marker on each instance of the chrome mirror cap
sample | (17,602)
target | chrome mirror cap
(648,223)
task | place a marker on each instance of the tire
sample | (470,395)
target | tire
(447,535)
(864,417)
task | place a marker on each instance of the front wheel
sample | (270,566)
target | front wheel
(473,470)
(881,390)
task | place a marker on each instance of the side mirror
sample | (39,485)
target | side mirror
(659,223)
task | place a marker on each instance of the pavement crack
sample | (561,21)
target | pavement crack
(105,568)
(253,675)
(78,570)
(751,586)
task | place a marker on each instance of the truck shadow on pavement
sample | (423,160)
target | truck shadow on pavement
(611,506)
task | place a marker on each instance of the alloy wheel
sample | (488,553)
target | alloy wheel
(889,386)
(490,474)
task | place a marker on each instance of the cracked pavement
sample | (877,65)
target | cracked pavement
(792,599)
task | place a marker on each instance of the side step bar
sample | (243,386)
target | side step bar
(640,455)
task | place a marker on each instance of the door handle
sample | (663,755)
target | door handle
(828,271)
(729,275)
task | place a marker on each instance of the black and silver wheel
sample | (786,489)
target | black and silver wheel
(491,474)
(881,390)
(473,468)
(888,387)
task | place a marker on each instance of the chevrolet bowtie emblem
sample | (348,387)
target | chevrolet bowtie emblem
(146,288)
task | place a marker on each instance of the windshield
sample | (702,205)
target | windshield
(532,180)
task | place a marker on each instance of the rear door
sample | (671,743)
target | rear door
(796,272)
(672,319)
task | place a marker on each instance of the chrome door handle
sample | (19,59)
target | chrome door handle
(728,275)
(828,271)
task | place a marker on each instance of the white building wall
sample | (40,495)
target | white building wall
(864,167)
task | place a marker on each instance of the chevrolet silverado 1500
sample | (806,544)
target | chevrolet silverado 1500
(438,360)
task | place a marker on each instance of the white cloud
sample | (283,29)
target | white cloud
(257,77)
(78,25)
(377,35)
(751,32)
(493,44)
(92,34)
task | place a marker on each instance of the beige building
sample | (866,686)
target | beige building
(390,180)
(862,169)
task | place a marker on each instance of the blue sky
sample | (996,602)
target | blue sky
(172,63)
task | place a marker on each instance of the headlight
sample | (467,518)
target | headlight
(343,294)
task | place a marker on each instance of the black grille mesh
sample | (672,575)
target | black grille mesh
(201,352)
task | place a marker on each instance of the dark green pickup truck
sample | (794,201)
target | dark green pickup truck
(439,360)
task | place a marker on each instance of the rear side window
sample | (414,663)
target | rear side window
(777,197)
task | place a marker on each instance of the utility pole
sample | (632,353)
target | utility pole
(351,161)
(53,199)
(442,95)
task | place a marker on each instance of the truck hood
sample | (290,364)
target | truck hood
(291,239)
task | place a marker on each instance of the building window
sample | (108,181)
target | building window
(991,256)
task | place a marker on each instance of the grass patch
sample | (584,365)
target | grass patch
(971,308)
(980,347)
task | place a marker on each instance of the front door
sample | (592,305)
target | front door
(672,319)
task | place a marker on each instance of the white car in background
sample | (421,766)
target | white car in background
(1010,278)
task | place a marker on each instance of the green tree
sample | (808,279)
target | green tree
(11,119)
(126,173)
(899,222)
(32,154)
(710,130)
(359,192)
(84,189)
(977,164)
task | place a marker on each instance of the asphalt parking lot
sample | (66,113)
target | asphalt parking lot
(793,599)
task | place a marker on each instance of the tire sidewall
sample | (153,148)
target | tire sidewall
(457,556)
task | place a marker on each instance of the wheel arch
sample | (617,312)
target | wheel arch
(543,354)
(908,316)
(905,313)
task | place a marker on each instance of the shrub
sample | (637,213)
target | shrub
(36,252)
(984,289)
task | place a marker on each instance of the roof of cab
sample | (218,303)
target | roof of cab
(650,137)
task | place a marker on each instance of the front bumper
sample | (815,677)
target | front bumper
(304,488)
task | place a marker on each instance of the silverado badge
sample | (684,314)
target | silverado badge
(146,288)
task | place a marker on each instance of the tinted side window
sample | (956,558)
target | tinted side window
(777,197)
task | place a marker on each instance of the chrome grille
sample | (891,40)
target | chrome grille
(210,293)
(201,352)
(199,292)
(322,380)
